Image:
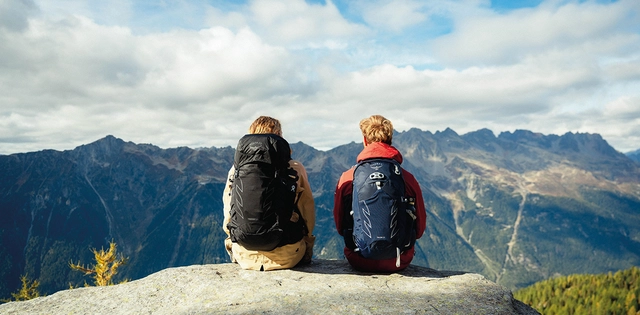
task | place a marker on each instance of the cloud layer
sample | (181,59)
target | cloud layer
(194,74)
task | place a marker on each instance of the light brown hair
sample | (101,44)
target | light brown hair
(265,124)
(377,129)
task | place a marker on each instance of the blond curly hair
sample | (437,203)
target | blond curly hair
(377,129)
(266,124)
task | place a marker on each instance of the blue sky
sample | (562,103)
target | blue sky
(196,73)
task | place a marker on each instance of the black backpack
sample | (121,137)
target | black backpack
(383,217)
(263,194)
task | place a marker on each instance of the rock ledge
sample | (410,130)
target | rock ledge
(322,287)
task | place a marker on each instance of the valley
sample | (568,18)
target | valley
(518,208)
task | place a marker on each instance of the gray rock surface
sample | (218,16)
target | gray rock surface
(323,287)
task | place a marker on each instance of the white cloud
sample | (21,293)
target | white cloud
(392,14)
(213,64)
(74,79)
(14,14)
(624,108)
(231,20)
(476,91)
(66,62)
(493,38)
(298,22)
(72,74)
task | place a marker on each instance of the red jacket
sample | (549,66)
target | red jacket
(342,205)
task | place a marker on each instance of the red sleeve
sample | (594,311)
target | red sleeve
(342,198)
(413,189)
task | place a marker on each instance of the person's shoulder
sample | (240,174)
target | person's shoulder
(296,165)
(408,175)
(348,174)
(293,162)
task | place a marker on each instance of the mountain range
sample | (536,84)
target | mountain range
(634,155)
(517,208)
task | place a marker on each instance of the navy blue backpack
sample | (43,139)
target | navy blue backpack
(383,217)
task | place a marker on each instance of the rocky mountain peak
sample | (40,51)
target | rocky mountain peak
(511,208)
(108,143)
(527,137)
(592,144)
(482,133)
(447,133)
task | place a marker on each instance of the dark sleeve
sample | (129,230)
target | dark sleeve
(342,199)
(413,190)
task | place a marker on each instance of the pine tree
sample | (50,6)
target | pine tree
(609,293)
(106,267)
(28,291)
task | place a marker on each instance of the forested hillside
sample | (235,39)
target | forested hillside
(517,208)
(611,293)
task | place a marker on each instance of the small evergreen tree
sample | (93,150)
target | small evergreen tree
(28,291)
(106,266)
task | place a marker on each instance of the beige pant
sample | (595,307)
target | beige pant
(283,257)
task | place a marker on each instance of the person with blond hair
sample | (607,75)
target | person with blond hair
(381,212)
(269,212)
